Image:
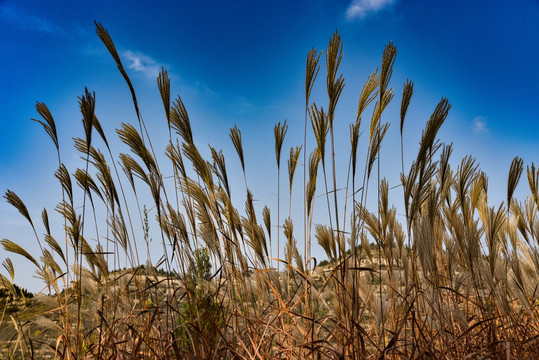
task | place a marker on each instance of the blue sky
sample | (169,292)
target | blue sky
(243,62)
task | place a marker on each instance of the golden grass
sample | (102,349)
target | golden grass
(458,279)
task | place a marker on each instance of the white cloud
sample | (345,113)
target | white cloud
(358,9)
(24,21)
(142,63)
(480,124)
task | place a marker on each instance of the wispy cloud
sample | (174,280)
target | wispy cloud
(25,21)
(242,105)
(142,63)
(358,9)
(200,88)
(480,124)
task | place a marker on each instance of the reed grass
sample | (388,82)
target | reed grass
(458,278)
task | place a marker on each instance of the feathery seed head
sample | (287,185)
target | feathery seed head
(311,72)
(235,136)
(8,265)
(45,218)
(267,220)
(368,93)
(16,202)
(388,59)
(280,132)
(335,84)
(131,137)
(97,126)
(87,108)
(378,136)
(407,91)
(175,155)
(324,236)
(50,125)
(292,162)
(334,56)
(179,120)
(378,110)
(65,180)
(103,34)
(87,183)
(314,161)
(515,171)
(428,135)
(320,124)
(163,83)
(55,246)
(17,249)
(219,168)
(354,141)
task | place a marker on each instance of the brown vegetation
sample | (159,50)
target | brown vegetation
(457,280)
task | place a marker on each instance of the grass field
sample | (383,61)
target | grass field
(457,279)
